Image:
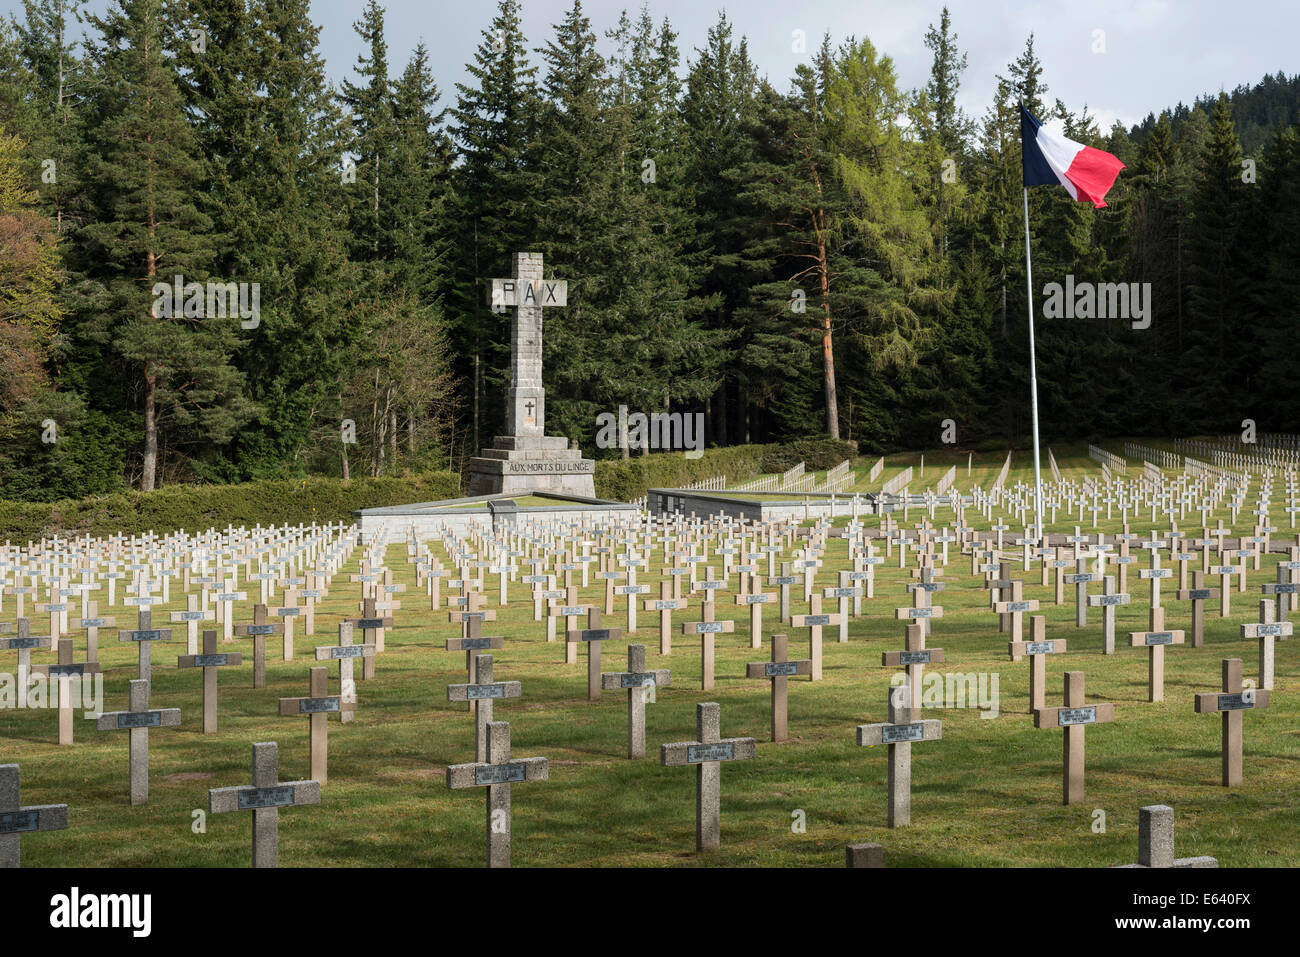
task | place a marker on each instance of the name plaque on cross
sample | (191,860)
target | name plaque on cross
(479,692)
(700,753)
(780,669)
(210,661)
(146,719)
(318,705)
(499,773)
(249,799)
(914,657)
(1069,716)
(897,733)
(17,822)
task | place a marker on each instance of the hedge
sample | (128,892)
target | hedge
(199,507)
(624,481)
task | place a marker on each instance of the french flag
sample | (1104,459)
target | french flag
(1050,158)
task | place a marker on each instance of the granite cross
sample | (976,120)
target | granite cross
(210,661)
(1155,640)
(640,683)
(318,707)
(144,636)
(16,820)
(778,671)
(483,691)
(707,754)
(497,774)
(1231,702)
(1073,719)
(345,653)
(903,727)
(265,798)
(138,719)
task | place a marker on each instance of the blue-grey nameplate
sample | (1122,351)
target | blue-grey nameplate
(15,822)
(921,612)
(786,580)
(473,644)
(841,592)
(634,679)
(154,635)
(1269,629)
(595,634)
(369,624)
(756,599)
(897,733)
(140,719)
(464,616)
(56,670)
(348,651)
(92,623)
(318,705)
(708,627)
(780,669)
(914,657)
(663,605)
(191,616)
(23,642)
(210,661)
(1018,606)
(1067,716)
(1111,599)
(1235,702)
(475,692)
(1038,647)
(1200,594)
(261,629)
(702,753)
(1160,638)
(809,620)
(498,773)
(253,798)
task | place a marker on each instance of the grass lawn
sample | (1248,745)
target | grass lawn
(988,794)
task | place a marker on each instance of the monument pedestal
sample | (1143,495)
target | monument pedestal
(531,463)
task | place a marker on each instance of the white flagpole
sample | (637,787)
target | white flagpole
(1040,534)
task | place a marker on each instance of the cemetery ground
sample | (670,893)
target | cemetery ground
(988,794)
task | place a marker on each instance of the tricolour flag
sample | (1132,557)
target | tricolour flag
(1049,158)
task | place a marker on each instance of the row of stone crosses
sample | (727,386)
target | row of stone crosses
(301,562)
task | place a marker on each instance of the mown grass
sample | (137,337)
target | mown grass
(988,794)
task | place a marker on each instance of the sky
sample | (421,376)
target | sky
(1120,58)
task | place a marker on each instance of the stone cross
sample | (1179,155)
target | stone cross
(210,661)
(64,672)
(570,611)
(755,602)
(1036,647)
(1016,608)
(92,623)
(16,820)
(640,683)
(529,294)
(814,621)
(144,636)
(497,773)
(864,855)
(707,754)
(192,616)
(483,691)
(593,636)
(778,671)
(23,642)
(226,611)
(1197,595)
(259,629)
(706,628)
(318,707)
(345,653)
(138,720)
(665,605)
(1080,580)
(1073,719)
(1231,702)
(785,580)
(287,613)
(475,641)
(265,798)
(1155,640)
(1108,600)
(1156,841)
(843,591)
(372,633)
(1266,629)
(914,658)
(903,727)
(1155,573)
